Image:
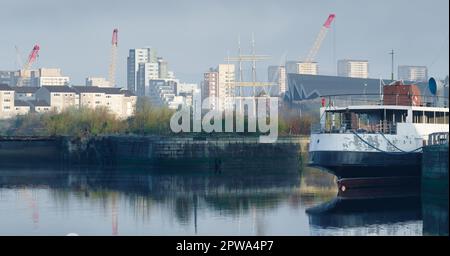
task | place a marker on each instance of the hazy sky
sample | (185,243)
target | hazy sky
(195,35)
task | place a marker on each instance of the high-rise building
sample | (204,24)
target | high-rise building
(146,71)
(97,81)
(22,75)
(226,86)
(413,73)
(48,77)
(210,87)
(277,74)
(307,68)
(135,57)
(6,77)
(353,68)
(163,68)
(291,66)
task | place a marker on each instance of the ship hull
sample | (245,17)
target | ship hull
(348,164)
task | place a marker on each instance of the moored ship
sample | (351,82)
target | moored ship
(377,136)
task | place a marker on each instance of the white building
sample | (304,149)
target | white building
(163,68)
(413,73)
(48,77)
(6,101)
(226,86)
(97,81)
(59,97)
(188,88)
(353,68)
(277,74)
(40,106)
(307,68)
(135,57)
(21,107)
(116,100)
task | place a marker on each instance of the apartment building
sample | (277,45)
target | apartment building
(25,93)
(48,77)
(21,100)
(277,74)
(97,81)
(59,97)
(210,87)
(21,107)
(120,102)
(307,68)
(226,86)
(353,68)
(6,101)
(413,73)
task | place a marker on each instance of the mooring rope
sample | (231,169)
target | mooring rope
(384,151)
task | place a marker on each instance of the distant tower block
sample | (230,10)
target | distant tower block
(307,68)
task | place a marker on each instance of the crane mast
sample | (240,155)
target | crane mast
(31,59)
(322,34)
(112,65)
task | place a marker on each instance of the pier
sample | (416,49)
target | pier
(435,185)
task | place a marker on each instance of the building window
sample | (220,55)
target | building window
(56,94)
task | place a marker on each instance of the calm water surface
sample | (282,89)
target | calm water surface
(58,201)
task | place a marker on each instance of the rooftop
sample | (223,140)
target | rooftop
(21,103)
(39,103)
(25,89)
(59,88)
(5,87)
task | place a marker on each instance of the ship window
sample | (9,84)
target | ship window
(441,118)
(418,117)
(429,117)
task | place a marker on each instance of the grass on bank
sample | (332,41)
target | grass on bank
(147,120)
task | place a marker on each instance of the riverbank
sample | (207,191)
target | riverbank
(200,153)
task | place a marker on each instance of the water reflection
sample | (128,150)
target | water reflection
(367,216)
(57,201)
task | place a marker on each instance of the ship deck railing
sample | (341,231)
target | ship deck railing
(384,127)
(345,100)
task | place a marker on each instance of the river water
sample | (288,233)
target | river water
(88,201)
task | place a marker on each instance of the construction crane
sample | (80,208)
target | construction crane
(31,59)
(112,65)
(323,32)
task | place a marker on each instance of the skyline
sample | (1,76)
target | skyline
(285,31)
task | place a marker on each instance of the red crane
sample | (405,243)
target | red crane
(31,59)
(323,32)
(112,65)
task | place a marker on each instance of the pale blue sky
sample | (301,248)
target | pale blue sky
(195,35)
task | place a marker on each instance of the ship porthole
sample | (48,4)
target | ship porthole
(318,141)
